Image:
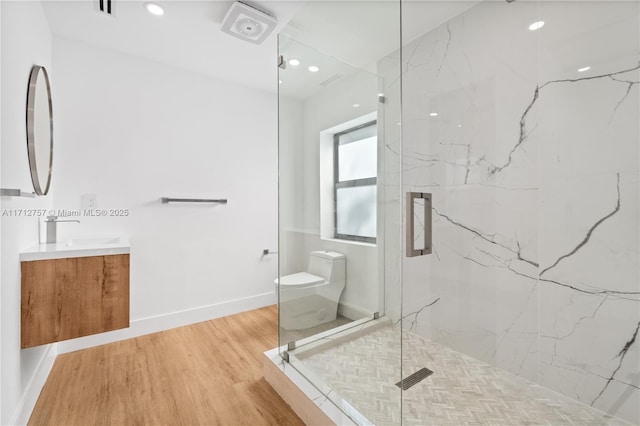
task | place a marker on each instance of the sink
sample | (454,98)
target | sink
(90,242)
(77,247)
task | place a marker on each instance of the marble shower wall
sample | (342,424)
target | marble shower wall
(534,170)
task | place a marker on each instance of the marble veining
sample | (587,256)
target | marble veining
(412,317)
(623,352)
(589,232)
(536,94)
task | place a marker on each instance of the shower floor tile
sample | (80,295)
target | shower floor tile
(461,391)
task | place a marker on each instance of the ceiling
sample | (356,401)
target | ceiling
(359,32)
(187,36)
(346,35)
(348,38)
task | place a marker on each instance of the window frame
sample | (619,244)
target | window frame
(337,184)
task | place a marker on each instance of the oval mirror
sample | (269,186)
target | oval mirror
(40,129)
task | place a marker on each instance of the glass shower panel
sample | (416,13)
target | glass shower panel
(521,121)
(314,206)
(339,195)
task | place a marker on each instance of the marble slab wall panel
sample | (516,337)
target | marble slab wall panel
(534,172)
(589,210)
(477,292)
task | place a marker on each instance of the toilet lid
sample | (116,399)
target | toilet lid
(300,280)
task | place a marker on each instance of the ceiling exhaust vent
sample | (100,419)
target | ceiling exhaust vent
(104,6)
(330,80)
(248,23)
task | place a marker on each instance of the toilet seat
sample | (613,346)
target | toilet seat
(300,280)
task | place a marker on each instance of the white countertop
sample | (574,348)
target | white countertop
(77,247)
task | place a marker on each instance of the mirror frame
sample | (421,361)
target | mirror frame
(36,70)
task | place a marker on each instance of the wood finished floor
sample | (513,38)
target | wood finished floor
(203,374)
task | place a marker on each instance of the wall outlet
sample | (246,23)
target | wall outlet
(89,201)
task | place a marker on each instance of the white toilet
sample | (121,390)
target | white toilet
(311,298)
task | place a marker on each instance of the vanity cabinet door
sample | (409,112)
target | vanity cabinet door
(73,297)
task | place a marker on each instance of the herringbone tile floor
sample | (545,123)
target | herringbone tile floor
(461,391)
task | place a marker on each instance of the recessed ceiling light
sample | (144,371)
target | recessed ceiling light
(294,62)
(433,114)
(459,126)
(356,105)
(583,69)
(279,81)
(154,9)
(536,25)
(313,68)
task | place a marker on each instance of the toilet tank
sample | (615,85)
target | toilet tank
(329,265)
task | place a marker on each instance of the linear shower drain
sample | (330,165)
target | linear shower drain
(414,378)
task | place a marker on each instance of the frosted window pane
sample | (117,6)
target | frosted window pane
(356,211)
(358,160)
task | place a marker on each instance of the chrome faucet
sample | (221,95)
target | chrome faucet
(48,229)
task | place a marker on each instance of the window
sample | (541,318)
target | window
(355,170)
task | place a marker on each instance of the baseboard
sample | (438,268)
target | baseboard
(168,321)
(353,312)
(34,387)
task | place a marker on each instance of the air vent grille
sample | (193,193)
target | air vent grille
(105,6)
(330,80)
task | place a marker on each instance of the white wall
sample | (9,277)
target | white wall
(290,179)
(132,131)
(26,40)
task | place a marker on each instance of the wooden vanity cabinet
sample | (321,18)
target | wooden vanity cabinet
(73,297)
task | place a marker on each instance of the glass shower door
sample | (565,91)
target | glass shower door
(339,195)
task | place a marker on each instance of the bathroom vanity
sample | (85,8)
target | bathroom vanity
(74,289)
